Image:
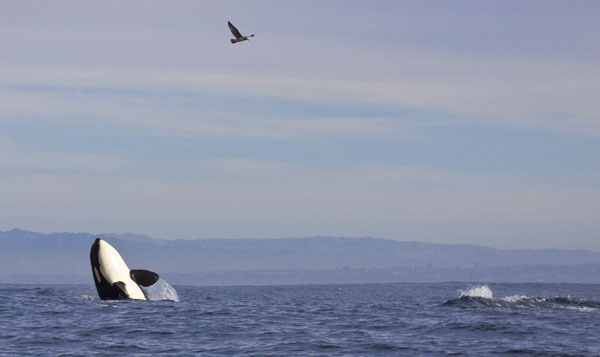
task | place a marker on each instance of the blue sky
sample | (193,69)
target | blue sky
(450,122)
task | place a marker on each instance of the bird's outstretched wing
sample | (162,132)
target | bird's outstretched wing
(234,31)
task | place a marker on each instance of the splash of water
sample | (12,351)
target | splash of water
(161,290)
(482,291)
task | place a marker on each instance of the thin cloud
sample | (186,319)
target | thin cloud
(529,98)
(17,158)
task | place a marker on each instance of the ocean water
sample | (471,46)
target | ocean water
(320,320)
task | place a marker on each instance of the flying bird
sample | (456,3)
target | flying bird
(236,33)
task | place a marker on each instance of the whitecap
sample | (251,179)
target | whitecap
(516,298)
(581,308)
(482,291)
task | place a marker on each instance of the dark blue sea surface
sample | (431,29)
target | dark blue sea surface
(362,320)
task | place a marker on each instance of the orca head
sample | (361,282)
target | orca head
(113,278)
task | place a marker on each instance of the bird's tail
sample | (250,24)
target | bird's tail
(233,40)
(251,35)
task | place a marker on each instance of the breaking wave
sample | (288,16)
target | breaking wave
(482,291)
(482,296)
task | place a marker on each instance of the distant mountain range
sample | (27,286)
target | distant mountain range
(63,257)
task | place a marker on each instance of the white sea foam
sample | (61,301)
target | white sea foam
(482,291)
(161,290)
(581,308)
(516,298)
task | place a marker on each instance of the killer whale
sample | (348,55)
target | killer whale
(113,279)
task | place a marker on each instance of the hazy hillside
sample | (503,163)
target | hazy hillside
(24,252)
